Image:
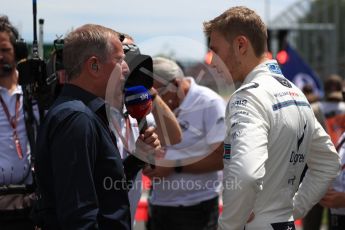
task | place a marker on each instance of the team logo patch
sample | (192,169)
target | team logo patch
(274,68)
(284,226)
(283,81)
(237,103)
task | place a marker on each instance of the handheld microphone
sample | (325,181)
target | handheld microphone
(138,101)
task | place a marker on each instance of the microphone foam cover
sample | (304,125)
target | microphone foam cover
(138,101)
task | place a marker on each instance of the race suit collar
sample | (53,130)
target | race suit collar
(263,67)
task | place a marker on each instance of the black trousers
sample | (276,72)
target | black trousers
(203,216)
(16,219)
(337,222)
(312,221)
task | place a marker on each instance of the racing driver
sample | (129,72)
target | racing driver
(271,132)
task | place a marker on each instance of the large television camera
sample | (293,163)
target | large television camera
(42,80)
(39,79)
(38,82)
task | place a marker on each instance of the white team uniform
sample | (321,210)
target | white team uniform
(271,134)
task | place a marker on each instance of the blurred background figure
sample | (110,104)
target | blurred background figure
(308,91)
(335,196)
(330,112)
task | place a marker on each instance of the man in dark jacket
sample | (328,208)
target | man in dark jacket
(80,174)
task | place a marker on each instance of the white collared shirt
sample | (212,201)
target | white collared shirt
(201,118)
(118,119)
(13,170)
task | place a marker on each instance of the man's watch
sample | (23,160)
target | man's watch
(178,168)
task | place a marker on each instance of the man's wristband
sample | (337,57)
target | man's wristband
(178,168)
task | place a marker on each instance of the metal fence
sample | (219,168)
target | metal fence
(317,32)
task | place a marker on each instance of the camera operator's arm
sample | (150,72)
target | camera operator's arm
(168,128)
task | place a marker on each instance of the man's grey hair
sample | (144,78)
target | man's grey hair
(166,69)
(84,42)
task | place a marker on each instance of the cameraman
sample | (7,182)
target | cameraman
(15,165)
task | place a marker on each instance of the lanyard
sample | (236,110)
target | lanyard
(13,122)
(125,141)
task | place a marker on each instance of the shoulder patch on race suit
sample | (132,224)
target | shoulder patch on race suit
(283,81)
(250,85)
(274,68)
(284,226)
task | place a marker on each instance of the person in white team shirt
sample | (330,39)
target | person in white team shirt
(271,132)
(186,196)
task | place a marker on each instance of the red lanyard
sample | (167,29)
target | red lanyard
(13,122)
(128,131)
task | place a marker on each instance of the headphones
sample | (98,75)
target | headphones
(94,66)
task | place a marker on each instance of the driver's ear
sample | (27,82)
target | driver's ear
(241,44)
